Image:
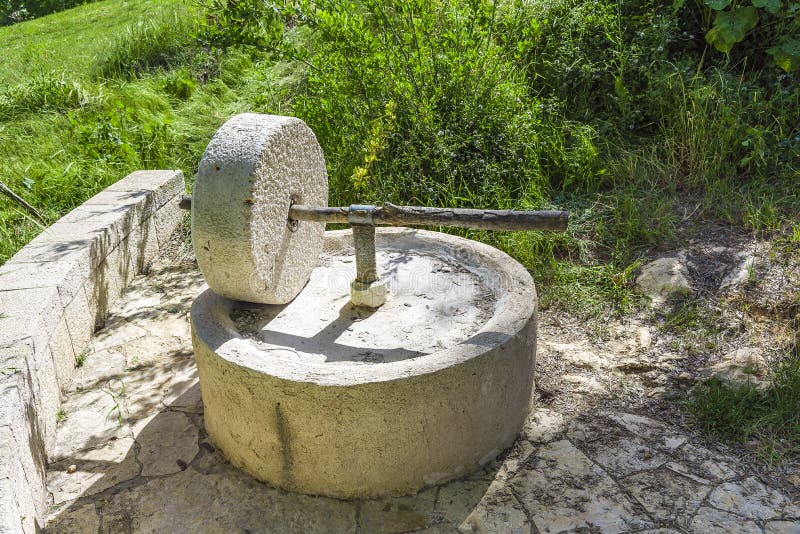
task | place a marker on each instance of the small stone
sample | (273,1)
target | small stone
(664,277)
(657,392)
(72,468)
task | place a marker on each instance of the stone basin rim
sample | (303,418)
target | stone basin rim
(516,303)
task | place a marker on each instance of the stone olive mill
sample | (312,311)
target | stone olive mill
(241,369)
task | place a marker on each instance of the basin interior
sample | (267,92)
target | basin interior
(439,298)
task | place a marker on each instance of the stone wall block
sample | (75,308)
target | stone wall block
(53,293)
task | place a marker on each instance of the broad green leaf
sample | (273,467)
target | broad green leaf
(786,54)
(718,5)
(731,27)
(773,6)
(677,4)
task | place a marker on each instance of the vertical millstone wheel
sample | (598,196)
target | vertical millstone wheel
(254,168)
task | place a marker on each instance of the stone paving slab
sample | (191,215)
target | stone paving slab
(132,456)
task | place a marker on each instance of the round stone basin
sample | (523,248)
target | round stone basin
(320,397)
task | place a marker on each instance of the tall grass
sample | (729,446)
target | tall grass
(162,41)
(50,91)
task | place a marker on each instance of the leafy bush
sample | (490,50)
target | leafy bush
(595,56)
(430,109)
(229,23)
(727,23)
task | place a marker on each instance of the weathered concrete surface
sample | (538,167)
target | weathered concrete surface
(348,426)
(253,169)
(562,472)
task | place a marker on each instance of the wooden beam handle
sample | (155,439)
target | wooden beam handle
(392,215)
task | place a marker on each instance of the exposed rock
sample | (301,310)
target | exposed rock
(740,273)
(543,425)
(228,502)
(667,496)
(782,527)
(656,432)
(93,418)
(99,367)
(76,521)
(749,498)
(643,337)
(664,277)
(458,499)
(585,384)
(497,511)
(711,520)
(627,455)
(117,332)
(707,464)
(742,366)
(564,490)
(579,355)
(514,461)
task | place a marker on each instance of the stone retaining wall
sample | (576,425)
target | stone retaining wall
(53,294)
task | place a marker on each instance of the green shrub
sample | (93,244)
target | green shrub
(232,23)
(429,108)
(727,23)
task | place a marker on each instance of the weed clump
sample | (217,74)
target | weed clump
(768,419)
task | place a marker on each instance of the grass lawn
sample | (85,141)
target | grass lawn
(71,41)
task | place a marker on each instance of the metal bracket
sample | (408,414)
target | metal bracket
(360,214)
